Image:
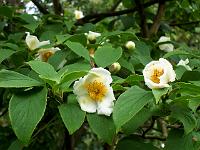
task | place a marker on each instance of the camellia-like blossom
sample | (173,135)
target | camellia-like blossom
(157,74)
(33,42)
(91,36)
(130,45)
(78,14)
(94,92)
(184,64)
(167,47)
(44,54)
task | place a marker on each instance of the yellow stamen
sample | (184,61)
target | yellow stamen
(46,55)
(96,90)
(157,72)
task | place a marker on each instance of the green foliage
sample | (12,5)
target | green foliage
(72,116)
(103,126)
(11,79)
(133,100)
(23,115)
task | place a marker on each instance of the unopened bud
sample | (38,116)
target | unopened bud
(91,36)
(115,67)
(130,45)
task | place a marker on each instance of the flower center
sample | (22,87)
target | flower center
(157,72)
(96,90)
(46,55)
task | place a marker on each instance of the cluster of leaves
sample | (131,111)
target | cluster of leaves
(38,104)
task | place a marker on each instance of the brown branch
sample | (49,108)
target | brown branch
(163,127)
(184,23)
(115,5)
(151,137)
(94,18)
(57,7)
(156,23)
(143,23)
(40,7)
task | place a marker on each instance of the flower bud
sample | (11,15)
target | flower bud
(91,36)
(130,45)
(78,14)
(115,67)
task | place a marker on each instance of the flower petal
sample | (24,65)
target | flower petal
(79,87)
(102,73)
(105,107)
(87,104)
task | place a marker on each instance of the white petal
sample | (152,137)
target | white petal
(102,73)
(44,43)
(79,87)
(153,85)
(105,107)
(166,47)
(87,104)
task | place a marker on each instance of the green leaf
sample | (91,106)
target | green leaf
(32,26)
(6,11)
(178,141)
(16,145)
(138,120)
(176,52)
(103,126)
(129,104)
(181,112)
(27,18)
(72,116)
(10,79)
(78,49)
(158,93)
(5,53)
(45,70)
(68,79)
(106,55)
(25,111)
(142,52)
(134,144)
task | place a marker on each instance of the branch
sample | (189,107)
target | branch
(40,7)
(158,17)
(57,7)
(94,18)
(152,137)
(163,127)
(184,23)
(115,5)
(143,24)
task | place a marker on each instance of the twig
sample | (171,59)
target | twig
(40,7)
(184,23)
(143,22)
(94,18)
(57,7)
(115,5)
(153,137)
(163,127)
(149,128)
(156,24)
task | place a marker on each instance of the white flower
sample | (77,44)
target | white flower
(184,64)
(44,54)
(130,45)
(167,47)
(78,14)
(157,74)
(91,36)
(33,42)
(94,92)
